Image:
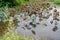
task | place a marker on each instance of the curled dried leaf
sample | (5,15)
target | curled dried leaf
(33,32)
(55,28)
(34,25)
(45,24)
(28,28)
(51,22)
(23,28)
(31,23)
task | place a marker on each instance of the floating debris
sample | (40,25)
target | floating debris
(45,24)
(55,10)
(31,23)
(48,5)
(46,17)
(33,12)
(34,25)
(56,23)
(54,6)
(33,32)
(27,27)
(55,28)
(51,22)
(37,23)
(23,28)
(24,18)
(56,13)
(16,22)
(50,8)
(40,19)
(47,12)
(40,14)
(56,19)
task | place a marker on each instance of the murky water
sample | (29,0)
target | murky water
(42,29)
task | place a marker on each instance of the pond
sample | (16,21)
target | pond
(45,29)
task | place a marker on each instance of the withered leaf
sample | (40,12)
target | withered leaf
(55,28)
(37,23)
(50,8)
(31,23)
(25,18)
(26,25)
(33,32)
(23,28)
(51,22)
(28,28)
(34,25)
(40,19)
(45,24)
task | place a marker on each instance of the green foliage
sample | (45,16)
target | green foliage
(13,36)
(3,16)
(11,3)
(50,0)
(21,2)
(57,2)
(5,3)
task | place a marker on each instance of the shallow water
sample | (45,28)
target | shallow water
(44,32)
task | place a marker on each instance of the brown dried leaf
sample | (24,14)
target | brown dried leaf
(51,22)
(55,28)
(33,32)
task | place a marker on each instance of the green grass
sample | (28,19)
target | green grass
(57,2)
(13,36)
